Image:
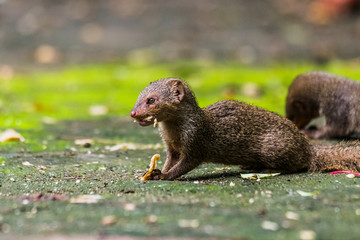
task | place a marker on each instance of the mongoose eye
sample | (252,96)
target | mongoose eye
(151,101)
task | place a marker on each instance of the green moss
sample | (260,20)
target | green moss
(209,201)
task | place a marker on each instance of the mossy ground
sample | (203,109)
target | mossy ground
(51,111)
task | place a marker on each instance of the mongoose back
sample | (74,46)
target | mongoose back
(229,132)
(323,105)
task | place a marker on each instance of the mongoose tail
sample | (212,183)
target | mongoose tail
(343,156)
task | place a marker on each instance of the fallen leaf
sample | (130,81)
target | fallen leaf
(292,215)
(268,225)
(108,220)
(41,167)
(129,206)
(84,141)
(122,146)
(26,163)
(86,199)
(151,219)
(188,223)
(307,194)
(223,168)
(132,146)
(254,176)
(46,54)
(11,135)
(43,197)
(307,235)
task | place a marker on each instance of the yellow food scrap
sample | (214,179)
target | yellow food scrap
(155,123)
(152,166)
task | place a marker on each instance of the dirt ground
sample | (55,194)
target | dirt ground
(93,192)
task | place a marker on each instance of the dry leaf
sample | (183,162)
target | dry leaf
(108,220)
(26,163)
(151,219)
(307,235)
(254,176)
(11,135)
(188,223)
(86,199)
(84,141)
(307,194)
(268,225)
(133,146)
(43,197)
(292,215)
(129,206)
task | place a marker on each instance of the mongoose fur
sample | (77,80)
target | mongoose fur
(332,101)
(231,132)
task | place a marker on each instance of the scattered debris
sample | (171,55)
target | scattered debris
(41,167)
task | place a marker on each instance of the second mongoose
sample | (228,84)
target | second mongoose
(231,132)
(324,105)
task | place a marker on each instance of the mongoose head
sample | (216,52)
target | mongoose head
(159,101)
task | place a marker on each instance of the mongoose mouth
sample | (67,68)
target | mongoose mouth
(147,121)
(144,123)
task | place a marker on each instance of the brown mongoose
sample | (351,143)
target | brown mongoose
(323,105)
(230,132)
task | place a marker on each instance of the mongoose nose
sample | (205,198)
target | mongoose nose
(133,114)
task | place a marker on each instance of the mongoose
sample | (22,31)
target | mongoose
(323,105)
(230,132)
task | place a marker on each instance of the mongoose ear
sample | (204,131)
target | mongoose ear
(178,90)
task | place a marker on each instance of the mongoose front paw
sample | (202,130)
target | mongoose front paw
(155,175)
